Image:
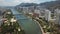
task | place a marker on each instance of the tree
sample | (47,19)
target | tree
(11,25)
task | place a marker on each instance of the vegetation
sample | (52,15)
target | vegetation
(10,25)
(47,26)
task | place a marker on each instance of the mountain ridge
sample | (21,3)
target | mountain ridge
(49,5)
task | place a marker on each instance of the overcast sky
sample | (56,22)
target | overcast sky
(16,2)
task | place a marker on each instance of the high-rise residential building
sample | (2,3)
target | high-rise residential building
(57,16)
(28,9)
(47,15)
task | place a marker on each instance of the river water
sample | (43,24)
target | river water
(29,25)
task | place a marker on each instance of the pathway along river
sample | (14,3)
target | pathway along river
(29,26)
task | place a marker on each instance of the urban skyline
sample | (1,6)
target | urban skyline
(16,2)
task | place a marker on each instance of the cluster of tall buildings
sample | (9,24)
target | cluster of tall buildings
(42,12)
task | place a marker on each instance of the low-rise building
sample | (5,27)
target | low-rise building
(37,12)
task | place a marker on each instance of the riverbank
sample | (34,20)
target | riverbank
(37,23)
(40,26)
(43,32)
(29,26)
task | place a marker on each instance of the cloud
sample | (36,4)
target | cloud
(16,2)
(9,3)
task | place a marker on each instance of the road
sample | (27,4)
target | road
(29,25)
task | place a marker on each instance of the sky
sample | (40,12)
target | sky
(16,2)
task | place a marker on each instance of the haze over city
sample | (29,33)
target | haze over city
(16,2)
(29,16)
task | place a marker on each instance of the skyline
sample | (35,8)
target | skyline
(16,2)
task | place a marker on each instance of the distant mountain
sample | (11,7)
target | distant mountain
(51,5)
(27,4)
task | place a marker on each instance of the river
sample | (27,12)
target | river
(29,25)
